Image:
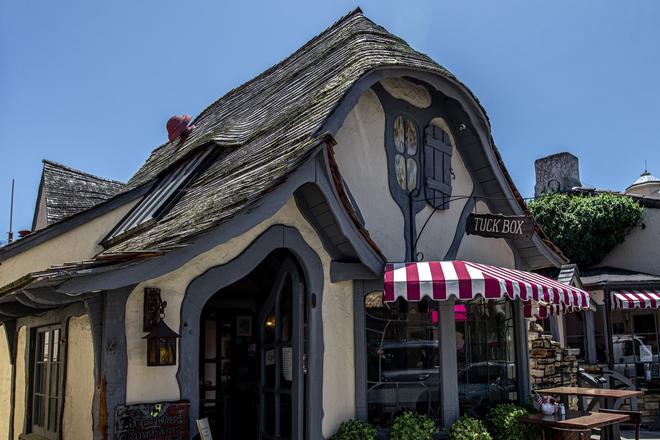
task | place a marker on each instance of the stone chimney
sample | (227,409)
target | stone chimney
(556,173)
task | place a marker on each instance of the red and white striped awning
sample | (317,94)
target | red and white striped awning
(463,280)
(635,299)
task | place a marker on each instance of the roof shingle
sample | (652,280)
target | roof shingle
(268,126)
(68,191)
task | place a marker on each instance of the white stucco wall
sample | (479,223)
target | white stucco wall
(362,161)
(5,386)
(77,421)
(19,396)
(78,244)
(152,384)
(494,251)
(639,252)
(441,228)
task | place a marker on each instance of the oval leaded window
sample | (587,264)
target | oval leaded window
(406,145)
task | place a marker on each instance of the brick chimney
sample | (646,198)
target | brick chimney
(556,173)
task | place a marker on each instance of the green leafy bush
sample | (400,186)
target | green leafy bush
(468,428)
(355,430)
(503,423)
(412,426)
(586,227)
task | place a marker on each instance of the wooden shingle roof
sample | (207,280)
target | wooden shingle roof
(268,126)
(65,191)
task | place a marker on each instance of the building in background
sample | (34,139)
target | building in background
(623,330)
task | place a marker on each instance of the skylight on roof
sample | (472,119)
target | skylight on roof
(160,198)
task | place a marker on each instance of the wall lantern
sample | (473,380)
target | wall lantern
(161,340)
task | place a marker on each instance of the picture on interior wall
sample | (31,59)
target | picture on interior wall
(244,326)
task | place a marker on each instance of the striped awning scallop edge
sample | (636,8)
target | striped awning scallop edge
(464,280)
(629,299)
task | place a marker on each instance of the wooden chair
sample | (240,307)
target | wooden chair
(565,434)
(635,418)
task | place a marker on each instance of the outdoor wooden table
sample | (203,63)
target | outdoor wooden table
(597,393)
(575,420)
(606,396)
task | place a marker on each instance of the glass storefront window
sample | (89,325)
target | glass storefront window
(402,358)
(485,356)
(575,333)
(635,343)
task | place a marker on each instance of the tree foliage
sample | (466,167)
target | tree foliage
(586,227)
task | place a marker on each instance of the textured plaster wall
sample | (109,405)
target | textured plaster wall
(5,386)
(78,244)
(77,421)
(153,384)
(441,228)
(362,161)
(639,252)
(19,397)
(494,251)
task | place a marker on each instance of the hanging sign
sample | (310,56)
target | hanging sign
(152,421)
(500,226)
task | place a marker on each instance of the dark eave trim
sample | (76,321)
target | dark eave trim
(72,222)
(311,171)
(340,271)
(454,89)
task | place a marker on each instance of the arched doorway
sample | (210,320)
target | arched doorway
(277,238)
(252,344)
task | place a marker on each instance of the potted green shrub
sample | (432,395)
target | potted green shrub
(502,420)
(468,428)
(412,426)
(355,430)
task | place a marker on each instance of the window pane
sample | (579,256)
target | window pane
(411,170)
(575,337)
(38,416)
(269,414)
(400,168)
(285,416)
(485,356)
(56,345)
(46,346)
(286,312)
(52,415)
(269,328)
(38,377)
(54,380)
(411,138)
(635,345)
(399,135)
(402,358)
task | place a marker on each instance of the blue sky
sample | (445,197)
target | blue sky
(91,84)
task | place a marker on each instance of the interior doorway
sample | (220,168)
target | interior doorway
(252,345)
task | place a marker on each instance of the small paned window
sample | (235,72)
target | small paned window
(405,160)
(47,393)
